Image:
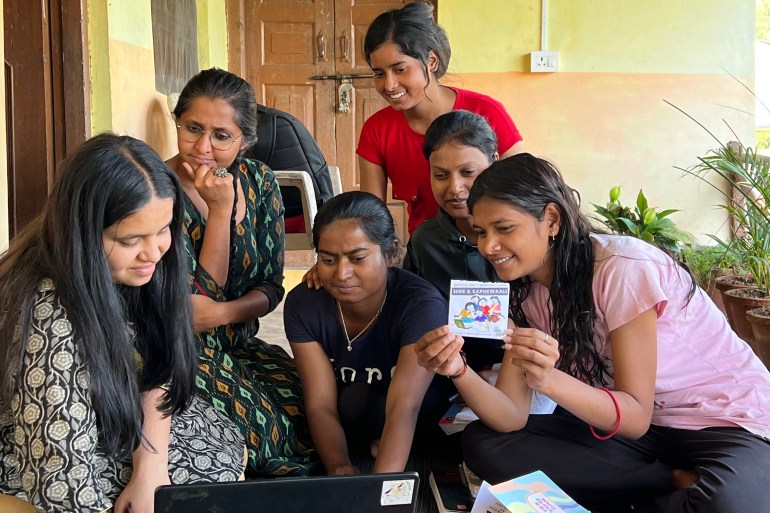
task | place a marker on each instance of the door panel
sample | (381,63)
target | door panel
(47,113)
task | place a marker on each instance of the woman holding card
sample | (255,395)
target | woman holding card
(459,145)
(352,340)
(661,406)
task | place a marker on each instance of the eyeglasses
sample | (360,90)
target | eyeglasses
(219,139)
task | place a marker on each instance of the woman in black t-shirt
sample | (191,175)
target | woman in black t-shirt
(353,339)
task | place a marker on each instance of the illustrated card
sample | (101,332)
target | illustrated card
(478,309)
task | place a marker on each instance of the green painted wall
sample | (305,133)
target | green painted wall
(212,34)
(602,118)
(99,65)
(608,36)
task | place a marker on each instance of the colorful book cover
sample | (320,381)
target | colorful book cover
(531,493)
(478,309)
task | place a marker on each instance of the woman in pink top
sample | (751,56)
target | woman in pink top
(408,52)
(661,407)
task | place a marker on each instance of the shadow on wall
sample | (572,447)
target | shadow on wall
(161,135)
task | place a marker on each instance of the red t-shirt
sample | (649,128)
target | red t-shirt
(388,141)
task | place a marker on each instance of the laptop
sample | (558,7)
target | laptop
(362,493)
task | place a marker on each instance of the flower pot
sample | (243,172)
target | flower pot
(738,302)
(760,325)
(729,282)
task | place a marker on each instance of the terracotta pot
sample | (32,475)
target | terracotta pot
(760,324)
(737,302)
(729,282)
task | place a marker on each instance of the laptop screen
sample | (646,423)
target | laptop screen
(371,493)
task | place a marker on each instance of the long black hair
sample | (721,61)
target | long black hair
(463,128)
(103,181)
(414,30)
(371,214)
(530,184)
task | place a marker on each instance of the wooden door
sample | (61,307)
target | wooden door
(47,110)
(279,45)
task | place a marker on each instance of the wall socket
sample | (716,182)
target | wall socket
(544,62)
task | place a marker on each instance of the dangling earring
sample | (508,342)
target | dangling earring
(553,239)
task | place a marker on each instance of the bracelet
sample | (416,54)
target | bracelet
(465,367)
(617,412)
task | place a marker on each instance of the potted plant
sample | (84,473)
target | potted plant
(748,176)
(709,264)
(644,222)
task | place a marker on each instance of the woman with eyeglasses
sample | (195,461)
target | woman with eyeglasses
(235,247)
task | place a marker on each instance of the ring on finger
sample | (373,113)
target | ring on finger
(547,336)
(221,172)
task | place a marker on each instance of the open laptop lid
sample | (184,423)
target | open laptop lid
(370,493)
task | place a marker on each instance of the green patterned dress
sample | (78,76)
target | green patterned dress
(255,384)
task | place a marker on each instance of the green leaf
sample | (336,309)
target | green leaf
(649,216)
(668,212)
(641,202)
(615,193)
(630,225)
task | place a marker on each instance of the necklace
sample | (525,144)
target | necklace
(345,328)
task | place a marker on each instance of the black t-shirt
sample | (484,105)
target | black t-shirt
(413,307)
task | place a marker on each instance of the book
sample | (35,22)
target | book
(478,309)
(449,491)
(530,493)
(456,418)
(472,481)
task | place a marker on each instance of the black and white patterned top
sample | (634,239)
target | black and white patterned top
(48,435)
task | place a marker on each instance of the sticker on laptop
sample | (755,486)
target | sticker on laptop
(397,492)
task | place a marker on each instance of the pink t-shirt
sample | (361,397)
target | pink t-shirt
(388,141)
(706,375)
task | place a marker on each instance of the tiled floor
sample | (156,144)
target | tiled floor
(271,326)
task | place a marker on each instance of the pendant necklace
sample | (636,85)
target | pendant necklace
(345,328)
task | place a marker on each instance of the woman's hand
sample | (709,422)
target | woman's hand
(207,313)
(535,353)
(344,470)
(216,191)
(439,351)
(139,495)
(312,279)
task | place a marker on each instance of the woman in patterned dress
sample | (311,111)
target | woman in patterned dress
(235,249)
(97,406)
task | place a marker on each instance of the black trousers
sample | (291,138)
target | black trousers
(361,407)
(619,475)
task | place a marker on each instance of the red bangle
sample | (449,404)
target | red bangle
(465,367)
(617,412)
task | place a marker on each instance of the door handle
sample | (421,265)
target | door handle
(321,45)
(345,46)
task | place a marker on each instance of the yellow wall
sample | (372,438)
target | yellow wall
(602,118)
(212,34)
(124,99)
(3,151)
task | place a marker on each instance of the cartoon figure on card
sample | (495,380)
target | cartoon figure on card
(484,307)
(481,310)
(469,312)
(495,309)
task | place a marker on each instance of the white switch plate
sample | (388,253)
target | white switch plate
(544,62)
